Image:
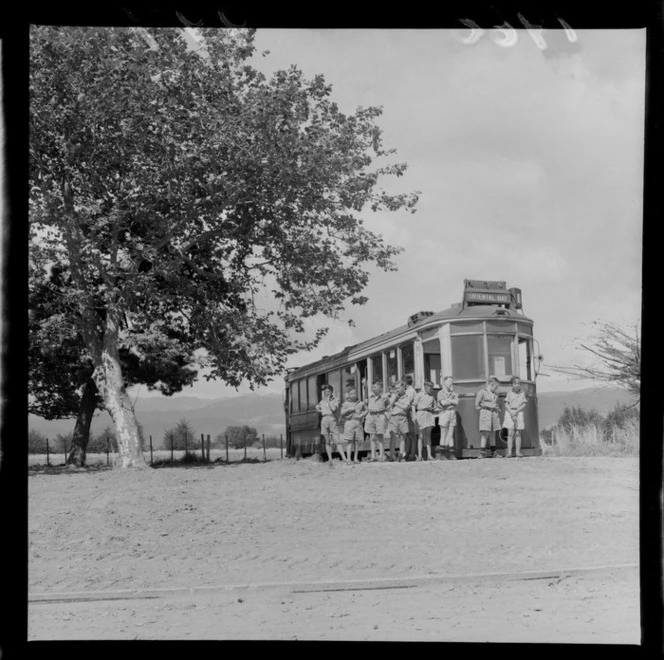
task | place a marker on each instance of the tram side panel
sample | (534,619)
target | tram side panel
(467,435)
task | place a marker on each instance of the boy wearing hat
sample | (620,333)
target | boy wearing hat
(486,401)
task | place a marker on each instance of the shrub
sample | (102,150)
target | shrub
(587,433)
(36,442)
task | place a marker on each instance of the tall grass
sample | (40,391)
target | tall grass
(595,439)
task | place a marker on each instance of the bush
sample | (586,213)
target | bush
(239,437)
(587,433)
(36,442)
(182,435)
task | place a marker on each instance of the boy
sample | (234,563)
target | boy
(376,420)
(411,436)
(486,401)
(401,403)
(328,408)
(351,416)
(424,405)
(515,402)
(448,400)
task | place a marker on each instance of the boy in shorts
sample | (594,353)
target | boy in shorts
(375,423)
(401,402)
(448,400)
(515,403)
(425,403)
(328,407)
(351,416)
(486,401)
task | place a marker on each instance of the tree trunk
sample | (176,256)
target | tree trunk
(110,383)
(81,435)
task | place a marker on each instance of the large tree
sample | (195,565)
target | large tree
(60,383)
(188,193)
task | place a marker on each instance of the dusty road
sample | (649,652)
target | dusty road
(303,522)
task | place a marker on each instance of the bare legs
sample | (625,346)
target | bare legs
(424,439)
(377,439)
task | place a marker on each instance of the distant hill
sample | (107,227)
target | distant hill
(602,399)
(265,412)
(209,416)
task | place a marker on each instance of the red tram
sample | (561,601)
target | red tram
(485,334)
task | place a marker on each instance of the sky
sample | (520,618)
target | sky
(529,163)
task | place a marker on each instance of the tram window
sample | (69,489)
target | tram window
(407,359)
(500,355)
(312,391)
(377,367)
(334,379)
(459,327)
(295,397)
(392,373)
(525,359)
(500,326)
(431,350)
(303,395)
(468,357)
(524,329)
(347,380)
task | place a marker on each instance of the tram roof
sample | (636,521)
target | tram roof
(456,312)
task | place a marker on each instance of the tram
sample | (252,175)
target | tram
(486,334)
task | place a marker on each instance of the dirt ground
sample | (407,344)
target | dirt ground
(301,550)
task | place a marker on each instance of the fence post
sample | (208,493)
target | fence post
(171,447)
(208,448)
(281,444)
(108,445)
(264,455)
(203,446)
(64,442)
(186,446)
(48,457)
(151,450)
(245,449)
(227,448)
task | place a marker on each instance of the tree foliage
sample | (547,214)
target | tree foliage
(616,354)
(239,437)
(195,202)
(181,436)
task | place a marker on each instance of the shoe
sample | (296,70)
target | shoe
(451,456)
(419,458)
(519,455)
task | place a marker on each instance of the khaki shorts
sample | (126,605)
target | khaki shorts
(329,428)
(425,419)
(447,418)
(398,425)
(489,420)
(353,431)
(508,422)
(376,423)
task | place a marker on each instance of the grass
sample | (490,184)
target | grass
(592,440)
(162,457)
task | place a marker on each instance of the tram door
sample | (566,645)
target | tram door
(432,366)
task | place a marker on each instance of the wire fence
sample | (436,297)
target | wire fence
(193,451)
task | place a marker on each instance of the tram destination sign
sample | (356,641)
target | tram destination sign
(488,297)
